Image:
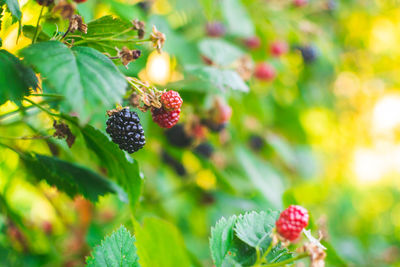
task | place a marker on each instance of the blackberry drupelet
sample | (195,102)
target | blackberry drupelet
(125,130)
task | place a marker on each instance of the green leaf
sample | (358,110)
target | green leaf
(29,31)
(88,79)
(236,18)
(255,228)
(220,79)
(15,78)
(117,250)
(159,243)
(219,51)
(221,239)
(263,176)
(13,8)
(106,27)
(71,178)
(120,167)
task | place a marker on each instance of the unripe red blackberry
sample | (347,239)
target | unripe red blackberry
(164,118)
(264,72)
(300,3)
(252,42)
(278,48)
(171,100)
(291,222)
(125,130)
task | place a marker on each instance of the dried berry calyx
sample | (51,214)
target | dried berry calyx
(125,130)
(291,222)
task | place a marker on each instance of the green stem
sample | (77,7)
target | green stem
(25,137)
(283,263)
(42,108)
(48,95)
(264,255)
(35,36)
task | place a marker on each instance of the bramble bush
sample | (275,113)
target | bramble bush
(168,133)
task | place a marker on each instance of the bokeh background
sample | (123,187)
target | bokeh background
(327,133)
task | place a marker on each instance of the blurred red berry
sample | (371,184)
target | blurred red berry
(79,1)
(164,118)
(300,3)
(278,48)
(291,222)
(171,100)
(252,42)
(215,29)
(47,227)
(264,72)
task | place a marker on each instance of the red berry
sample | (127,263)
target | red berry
(264,72)
(300,3)
(171,100)
(278,48)
(215,29)
(252,42)
(79,1)
(292,221)
(164,118)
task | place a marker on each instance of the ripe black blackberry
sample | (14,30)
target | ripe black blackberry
(309,53)
(175,164)
(178,137)
(204,149)
(125,130)
(256,142)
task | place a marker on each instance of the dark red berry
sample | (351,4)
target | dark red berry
(278,48)
(300,3)
(79,1)
(215,29)
(291,222)
(125,130)
(264,72)
(164,118)
(171,100)
(252,42)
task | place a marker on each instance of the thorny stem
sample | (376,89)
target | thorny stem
(35,36)
(283,263)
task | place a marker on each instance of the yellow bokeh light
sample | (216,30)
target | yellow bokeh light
(383,36)
(386,114)
(158,68)
(206,179)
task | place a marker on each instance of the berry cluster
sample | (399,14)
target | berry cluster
(291,222)
(168,115)
(125,130)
